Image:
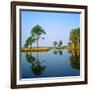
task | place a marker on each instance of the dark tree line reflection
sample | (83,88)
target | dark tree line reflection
(75,59)
(57,52)
(37,67)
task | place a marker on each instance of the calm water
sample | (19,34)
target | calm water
(54,63)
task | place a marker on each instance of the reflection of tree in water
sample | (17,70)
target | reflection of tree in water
(56,51)
(75,59)
(60,52)
(36,67)
(30,58)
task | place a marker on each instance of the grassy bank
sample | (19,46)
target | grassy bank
(70,48)
(34,49)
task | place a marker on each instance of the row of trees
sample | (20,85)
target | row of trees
(57,44)
(74,39)
(36,33)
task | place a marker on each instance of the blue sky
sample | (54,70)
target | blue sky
(56,25)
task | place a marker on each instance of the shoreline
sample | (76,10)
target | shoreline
(35,49)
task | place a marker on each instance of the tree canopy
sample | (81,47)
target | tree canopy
(37,31)
(75,38)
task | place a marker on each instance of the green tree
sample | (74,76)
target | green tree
(75,38)
(29,41)
(60,43)
(55,43)
(37,31)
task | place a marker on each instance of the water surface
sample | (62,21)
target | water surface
(53,63)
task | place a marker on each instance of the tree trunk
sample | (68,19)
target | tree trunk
(30,46)
(37,42)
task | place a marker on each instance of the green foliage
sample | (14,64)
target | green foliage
(60,43)
(35,36)
(75,38)
(29,41)
(37,31)
(55,43)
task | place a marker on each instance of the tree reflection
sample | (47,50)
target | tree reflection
(75,59)
(36,65)
(38,69)
(60,52)
(56,51)
(30,58)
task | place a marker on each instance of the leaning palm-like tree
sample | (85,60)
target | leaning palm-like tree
(37,31)
(29,41)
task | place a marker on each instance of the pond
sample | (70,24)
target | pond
(52,63)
